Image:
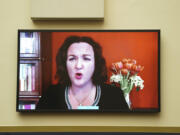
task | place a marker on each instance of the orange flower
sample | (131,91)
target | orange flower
(124,71)
(134,67)
(133,72)
(125,60)
(137,68)
(133,61)
(116,67)
(119,65)
(113,68)
(125,66)
(128,65)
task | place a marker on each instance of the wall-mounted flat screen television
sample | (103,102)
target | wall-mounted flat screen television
(88,71)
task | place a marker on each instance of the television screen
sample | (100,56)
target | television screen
(88,70)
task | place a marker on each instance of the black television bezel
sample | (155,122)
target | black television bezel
(147,110)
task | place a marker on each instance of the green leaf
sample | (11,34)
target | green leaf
(127,76)
(130,87)
(112,84)
(137,89)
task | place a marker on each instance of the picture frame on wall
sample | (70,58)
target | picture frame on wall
(88,71)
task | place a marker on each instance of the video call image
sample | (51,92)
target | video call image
(88,70)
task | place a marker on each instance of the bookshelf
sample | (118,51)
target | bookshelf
(34,59)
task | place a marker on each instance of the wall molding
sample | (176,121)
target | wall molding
(89,129)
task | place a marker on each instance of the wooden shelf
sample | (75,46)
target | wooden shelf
(34,58)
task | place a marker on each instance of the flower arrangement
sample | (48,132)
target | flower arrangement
(124,74)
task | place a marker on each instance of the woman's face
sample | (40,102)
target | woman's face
(80,63)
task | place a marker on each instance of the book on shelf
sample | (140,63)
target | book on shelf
(29,42)
(27,77)
(33,78)
(27,106)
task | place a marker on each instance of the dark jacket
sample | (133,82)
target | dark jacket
(111,99)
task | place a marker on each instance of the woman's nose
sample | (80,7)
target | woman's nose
(79,64)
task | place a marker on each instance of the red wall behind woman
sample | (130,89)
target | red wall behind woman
(141,46)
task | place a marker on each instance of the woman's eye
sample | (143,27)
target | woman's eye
(70,59)
(88,59)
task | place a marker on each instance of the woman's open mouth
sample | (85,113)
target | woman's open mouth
(78,75)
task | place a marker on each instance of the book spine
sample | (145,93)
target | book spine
(27,106)
(33,106)
(33,78)
(29,70)
(20,78)
(25,76)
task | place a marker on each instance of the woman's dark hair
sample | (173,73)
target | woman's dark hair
(100,72)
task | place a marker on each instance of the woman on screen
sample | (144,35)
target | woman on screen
(82,73)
